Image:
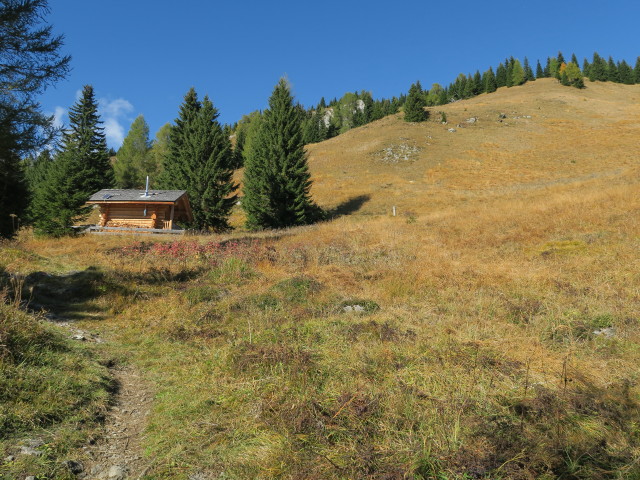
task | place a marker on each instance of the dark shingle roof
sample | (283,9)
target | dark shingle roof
(118,195)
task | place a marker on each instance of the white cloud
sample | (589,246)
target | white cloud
(114,132)
(113,112)
(115,108)
(58,117)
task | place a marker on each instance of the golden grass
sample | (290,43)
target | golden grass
(514,242)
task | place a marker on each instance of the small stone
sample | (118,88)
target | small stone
(452,130)
(9,459)
(30,477)
(353,308)
(116,472)
(82,338)
(607,332)
(30,451)
(472,120)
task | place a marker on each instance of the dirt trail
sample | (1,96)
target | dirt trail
(118,453)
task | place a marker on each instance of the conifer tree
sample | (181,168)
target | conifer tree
(547,68)
(490,85)
(586,67)
(160,148)
(443,97)
(554,68)
(574,59)
(510,66)
(469,88)
(478,85)
(528,72)
(517,73)
(414,106)
(37,173)
(276,177)
(134,160)
(597,69)
(539,71)
(81,168)
(636,71)
(625,73)
(200,160)
(612,71)
(30,62)
(501,76)
(560,58)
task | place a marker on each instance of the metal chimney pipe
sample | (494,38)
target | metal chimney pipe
(146,191)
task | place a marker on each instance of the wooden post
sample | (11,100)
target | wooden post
(104,215)
(173,206)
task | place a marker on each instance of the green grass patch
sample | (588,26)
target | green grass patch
(51,388)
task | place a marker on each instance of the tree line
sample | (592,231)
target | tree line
(512,72)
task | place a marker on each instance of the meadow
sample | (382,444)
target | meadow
(488,330)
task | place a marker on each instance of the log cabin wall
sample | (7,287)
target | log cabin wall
(123,215)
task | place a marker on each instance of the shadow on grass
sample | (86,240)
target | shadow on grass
(348,207)
(69,296)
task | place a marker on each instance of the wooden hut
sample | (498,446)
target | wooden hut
(151,210)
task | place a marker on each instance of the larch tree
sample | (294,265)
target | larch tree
(160,149)
(81,168)
(276,177)
(134,160)
(200,160)
(517,73)
(30,61)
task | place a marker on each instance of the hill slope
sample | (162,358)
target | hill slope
(551,136)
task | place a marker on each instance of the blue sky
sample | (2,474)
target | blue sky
(141,56)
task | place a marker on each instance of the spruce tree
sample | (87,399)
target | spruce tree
(574,59)
(37,173)
(501,76)
(612,71)
(200,160)
(598,69)
(625,73)
(509,80)
(30,62)
(539,71)
(528,72)
(134,160)
(276,176)
(81,168)
(469,88)
(414,106)
(636,71)
(490,85)
(586,67)
(478,85)
(547,68)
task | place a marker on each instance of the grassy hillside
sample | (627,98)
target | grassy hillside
(489,330)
